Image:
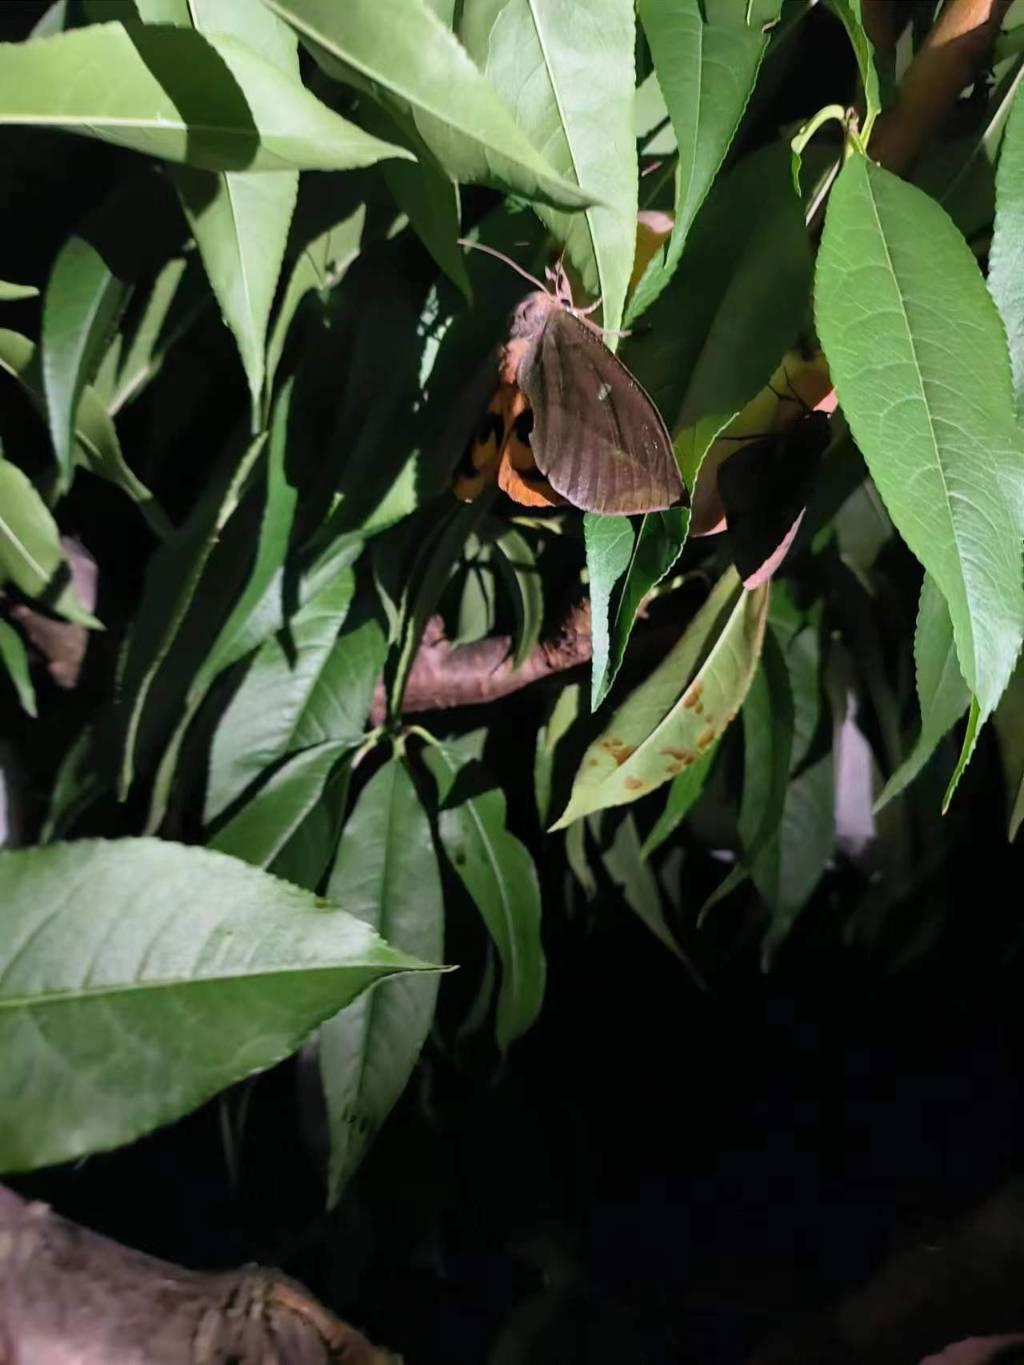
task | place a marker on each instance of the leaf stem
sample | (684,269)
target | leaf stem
(836,112)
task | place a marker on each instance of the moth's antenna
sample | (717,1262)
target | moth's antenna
(479,246)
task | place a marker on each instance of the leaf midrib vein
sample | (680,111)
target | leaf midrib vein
(548,67)
(924,395)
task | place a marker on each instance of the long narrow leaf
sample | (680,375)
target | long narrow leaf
(706,56)
(567,70)
(181,96)
(498,872)
(420,69)
(919,359)
(386,870)
(682,708)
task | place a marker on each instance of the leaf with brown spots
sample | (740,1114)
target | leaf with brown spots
(712,664)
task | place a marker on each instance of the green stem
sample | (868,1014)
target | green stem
(836,112)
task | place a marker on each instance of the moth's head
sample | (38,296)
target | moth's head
(530,314)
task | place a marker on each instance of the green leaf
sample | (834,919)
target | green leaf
(240,220)
(76,785)
(733,308)
(676,715)
(386,869)
(280,502)
(173,578)
(175,94)
(682,796)
(568,73)
(83,303)
(971,731)
(138,978)
(919,359)
(54,18)
(768,739)
(1006,257)
(166,311)
(282,598)
(498,872)
(97,448)
(430,199)
(1008,724)
(425,193)
(767,755)
(848,12)
(322,263)
(295,694)
(445,11)
(232,642)
(942,694)
(255,25)
(30,552)
(790,865)
(1017,813)
(610,544)
(430,572)
(9,292)
(161,11)
(626,867)
(267,821)
(576,855)
(768,750)
(706,57)
(473,586)
(15,660)
(310,849)
(564,712)
(516,562)
(420,70)
(659,543)
(240,223)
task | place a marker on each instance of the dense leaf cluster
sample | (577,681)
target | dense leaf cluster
(268,835)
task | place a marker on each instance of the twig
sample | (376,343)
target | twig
(947,62)
(446,675)
(68,1295)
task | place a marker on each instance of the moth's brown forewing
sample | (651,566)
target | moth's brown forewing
(597,436)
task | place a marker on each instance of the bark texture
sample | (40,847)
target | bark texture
(71,1297)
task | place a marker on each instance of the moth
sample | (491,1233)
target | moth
(567,422)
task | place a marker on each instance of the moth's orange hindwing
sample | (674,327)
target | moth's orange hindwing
(479,464)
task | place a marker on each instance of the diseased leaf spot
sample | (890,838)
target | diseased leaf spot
(681,754)
(632,784)
(692,697)
(706,737)
(618,750)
